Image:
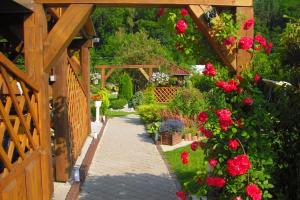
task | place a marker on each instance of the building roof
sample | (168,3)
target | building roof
(178,71)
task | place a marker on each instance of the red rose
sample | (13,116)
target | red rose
(209,70)
(239,77)
(225,120)
(257,78)
(233,144)
(213,163)
(229,40)
(246,43)
(238,165)
(184,12)
(206,132)
(184,157)
(220,84)
(215,181)
(229,86)
(248,24)
(269,48)
(261,40)
(248,101)
(203,117)
(194,146)
(181,26)
(237,198)
(254,192)
(161,12)
(181,195)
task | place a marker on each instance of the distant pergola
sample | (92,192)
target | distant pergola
(106,71)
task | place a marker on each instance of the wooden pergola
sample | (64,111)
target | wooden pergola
(50,34)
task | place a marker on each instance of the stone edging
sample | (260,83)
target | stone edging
(85,165)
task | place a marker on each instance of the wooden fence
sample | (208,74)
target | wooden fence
(78,114)
(20,158)
(165,94)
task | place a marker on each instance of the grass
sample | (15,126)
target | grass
(186,173)
(112,114)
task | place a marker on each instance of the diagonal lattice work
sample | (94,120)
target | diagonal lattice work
(19,123)
(78,114)
(165,94)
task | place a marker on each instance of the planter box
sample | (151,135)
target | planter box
(170,138)
(187,137)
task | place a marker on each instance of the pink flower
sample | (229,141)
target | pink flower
(257,78)
(206,132)
(261,40)
(246,43)
(248,101)
(238,165)
(209,70)
(213,163)
(233,144)
(161,12)
(254,192)
(181,26)
(181,195)
(215,181)
(248,24)
(237,198)
(194,146)
(269,48)
(184,157)
(184,12)
(203,117)
(229,40)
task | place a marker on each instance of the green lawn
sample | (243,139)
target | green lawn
(186,173)
(112,114)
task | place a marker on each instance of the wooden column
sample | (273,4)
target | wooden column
(103,78)
(243,58)
(85,70)
(35,32)
(63,160)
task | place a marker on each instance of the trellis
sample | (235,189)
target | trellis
(165,94)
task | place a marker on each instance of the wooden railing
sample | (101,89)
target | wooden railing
(165,94)
(78,115)
(19,125)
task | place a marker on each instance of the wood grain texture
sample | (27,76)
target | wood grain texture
(169,3)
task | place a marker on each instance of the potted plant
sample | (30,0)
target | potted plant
(170,132)
(190,133)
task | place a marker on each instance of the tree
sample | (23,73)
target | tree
(125,87)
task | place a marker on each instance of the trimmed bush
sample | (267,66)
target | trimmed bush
(125,87)
(149,95)
(137,99)
(150,113)
(118,103)
(105,101)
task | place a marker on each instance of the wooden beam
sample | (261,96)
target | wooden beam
(167,3)
(144,73)
(244,57)
(227,55)
(64,31)
(63,162)
(75,65)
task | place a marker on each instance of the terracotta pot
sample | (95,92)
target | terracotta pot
(187,137)
(195,138)
(170,138)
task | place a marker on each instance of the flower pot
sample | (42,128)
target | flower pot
(170,138)
(188,137)
(195,138)
(98,103)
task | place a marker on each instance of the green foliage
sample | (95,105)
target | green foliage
(125,87)
(153,128)
(149,95)
(187,102)
(105,101)
(137,99)
(150,113)
(193,130)
(117,104)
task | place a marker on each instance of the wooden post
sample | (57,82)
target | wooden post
(103,78)
(243,58)
(35,32)
(85,70)
(63,156)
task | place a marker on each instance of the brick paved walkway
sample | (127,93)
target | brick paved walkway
(127,166)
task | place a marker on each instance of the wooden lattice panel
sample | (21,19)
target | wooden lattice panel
(77,113)
(165,94)
(19,126)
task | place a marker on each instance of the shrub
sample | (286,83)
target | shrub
(105,101)
(171,126)
(187,102)
(137,99)
(153,128)
(118,103)
(125,87)
(151,112)
(149,95)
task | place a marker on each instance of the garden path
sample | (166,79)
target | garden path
(127,166)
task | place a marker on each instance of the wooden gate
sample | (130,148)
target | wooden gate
(78,114)
(20,158)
